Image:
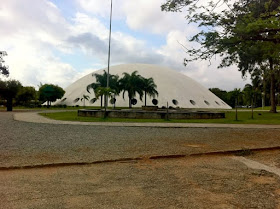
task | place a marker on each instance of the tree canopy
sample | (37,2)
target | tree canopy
(3,68)
(132,84)
(9,90)
(101,82)
(245,33)
(149,88)
(50,93)
(25,95)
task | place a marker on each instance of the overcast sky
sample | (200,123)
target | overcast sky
(59,41)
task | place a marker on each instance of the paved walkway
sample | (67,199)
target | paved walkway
(34,117)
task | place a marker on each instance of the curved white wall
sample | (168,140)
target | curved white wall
(170,85)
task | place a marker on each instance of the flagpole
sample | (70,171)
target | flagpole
(109,54)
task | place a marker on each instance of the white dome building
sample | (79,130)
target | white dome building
(171,85)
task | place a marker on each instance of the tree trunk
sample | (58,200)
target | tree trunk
(252,103)
(272,88)
(264,91)
(167,113)
(101,101)
(129,102)
(145,98)
(105,110)
(236,118)
(10,104)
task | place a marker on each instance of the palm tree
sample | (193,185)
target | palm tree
(149,88)
(85,97)
(104,91)
(132,84)
(101,81)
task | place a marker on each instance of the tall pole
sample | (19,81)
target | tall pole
(109,55)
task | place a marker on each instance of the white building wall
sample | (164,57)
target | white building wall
(170,85)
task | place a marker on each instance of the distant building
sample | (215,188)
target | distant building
(172,86)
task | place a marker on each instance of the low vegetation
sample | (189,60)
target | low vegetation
(260,117)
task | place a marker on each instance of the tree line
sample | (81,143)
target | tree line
(133,84)
(249,96)
(12,92)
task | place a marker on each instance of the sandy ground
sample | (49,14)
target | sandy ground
(194,182)
(215,181)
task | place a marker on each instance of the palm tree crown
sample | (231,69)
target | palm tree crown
(101,81)
(132,84)
(149,88)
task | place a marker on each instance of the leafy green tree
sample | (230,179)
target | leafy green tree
(50,93)
(101,81)
(132,84)
(25,95)
(246,34)
(222,94)
(9,90)
(149,88)
(3,68)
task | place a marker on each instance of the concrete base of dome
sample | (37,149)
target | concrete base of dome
(159,114)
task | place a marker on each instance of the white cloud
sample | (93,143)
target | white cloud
(89,34)
(97,7)
(143,15)
(211,76)
(146,15)
(33,32)
(205,72)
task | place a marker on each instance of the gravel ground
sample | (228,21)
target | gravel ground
(200,182)
(191,182)
(24,143)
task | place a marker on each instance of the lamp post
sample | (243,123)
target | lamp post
(109,55)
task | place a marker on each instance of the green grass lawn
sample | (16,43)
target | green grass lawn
(244,117)
(91,107)
(260,108)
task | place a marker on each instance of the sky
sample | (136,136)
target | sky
(60,41)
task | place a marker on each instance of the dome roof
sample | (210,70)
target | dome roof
(172,86)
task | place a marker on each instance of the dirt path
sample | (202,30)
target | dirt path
(197,182)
